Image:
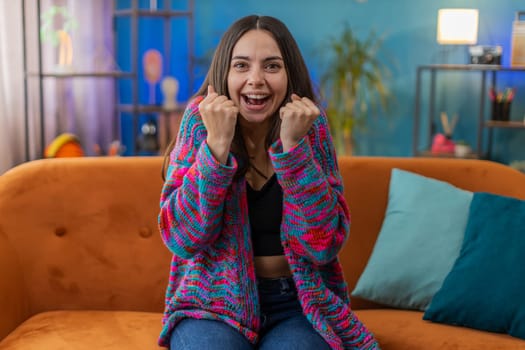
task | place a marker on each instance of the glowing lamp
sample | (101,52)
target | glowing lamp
(457,26)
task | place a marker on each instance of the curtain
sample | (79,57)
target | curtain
(11,87)
(81,105)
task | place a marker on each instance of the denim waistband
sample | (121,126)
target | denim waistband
(281,284)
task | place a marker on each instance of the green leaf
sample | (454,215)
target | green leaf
(354,84)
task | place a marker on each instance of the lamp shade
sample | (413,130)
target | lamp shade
(457,26)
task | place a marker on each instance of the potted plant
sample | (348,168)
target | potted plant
(353,85)
(462,149)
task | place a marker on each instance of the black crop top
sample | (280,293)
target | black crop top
(265,210)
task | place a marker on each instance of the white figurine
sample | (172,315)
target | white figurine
(170,89)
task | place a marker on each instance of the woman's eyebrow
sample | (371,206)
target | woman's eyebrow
(271,58)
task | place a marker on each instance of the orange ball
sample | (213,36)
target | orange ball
(64,145)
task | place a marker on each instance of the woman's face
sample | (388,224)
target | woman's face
(257,79)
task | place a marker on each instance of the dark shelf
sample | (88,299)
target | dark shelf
(446,155)
(152,13)
(472,67)
(505,124)
(147,108)
(114,74)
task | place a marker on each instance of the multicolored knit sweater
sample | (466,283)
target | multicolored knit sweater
(203,220)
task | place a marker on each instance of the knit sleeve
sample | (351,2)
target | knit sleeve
(314,201)
(192,198)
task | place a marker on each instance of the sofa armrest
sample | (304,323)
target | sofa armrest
(82,231)
(13,299)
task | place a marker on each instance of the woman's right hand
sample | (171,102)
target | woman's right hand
(219,115)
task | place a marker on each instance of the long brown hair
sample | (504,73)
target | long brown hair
(299,81)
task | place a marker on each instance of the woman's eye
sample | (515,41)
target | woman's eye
(272,67)
(240,65)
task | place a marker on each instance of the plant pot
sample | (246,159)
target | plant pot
(462,151)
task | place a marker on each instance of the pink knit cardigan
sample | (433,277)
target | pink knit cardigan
(203,220)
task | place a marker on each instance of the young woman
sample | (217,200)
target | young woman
(253,209)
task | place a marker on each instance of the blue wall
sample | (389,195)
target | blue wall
(409,31)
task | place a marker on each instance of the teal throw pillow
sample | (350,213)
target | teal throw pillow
(419,241)
(486,287)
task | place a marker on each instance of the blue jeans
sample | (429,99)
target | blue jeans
(283,325)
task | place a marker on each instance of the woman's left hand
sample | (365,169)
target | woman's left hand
(297,118)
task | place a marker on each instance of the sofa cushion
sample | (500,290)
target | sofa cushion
(405,330)
(86,330)
(486,287)
(418,242)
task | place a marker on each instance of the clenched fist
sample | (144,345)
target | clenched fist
(297,118)
(219,115)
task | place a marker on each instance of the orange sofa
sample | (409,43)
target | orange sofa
(82,265)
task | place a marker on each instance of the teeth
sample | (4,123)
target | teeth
(257,97)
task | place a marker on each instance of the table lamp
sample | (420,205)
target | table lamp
(457,26)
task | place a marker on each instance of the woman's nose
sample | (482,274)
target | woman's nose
(256,77)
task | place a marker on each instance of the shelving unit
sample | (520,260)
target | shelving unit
(484,122)
(40,74)
(137,107)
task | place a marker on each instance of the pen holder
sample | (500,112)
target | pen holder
(501,111)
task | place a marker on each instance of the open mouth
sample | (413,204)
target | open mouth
(255,99)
